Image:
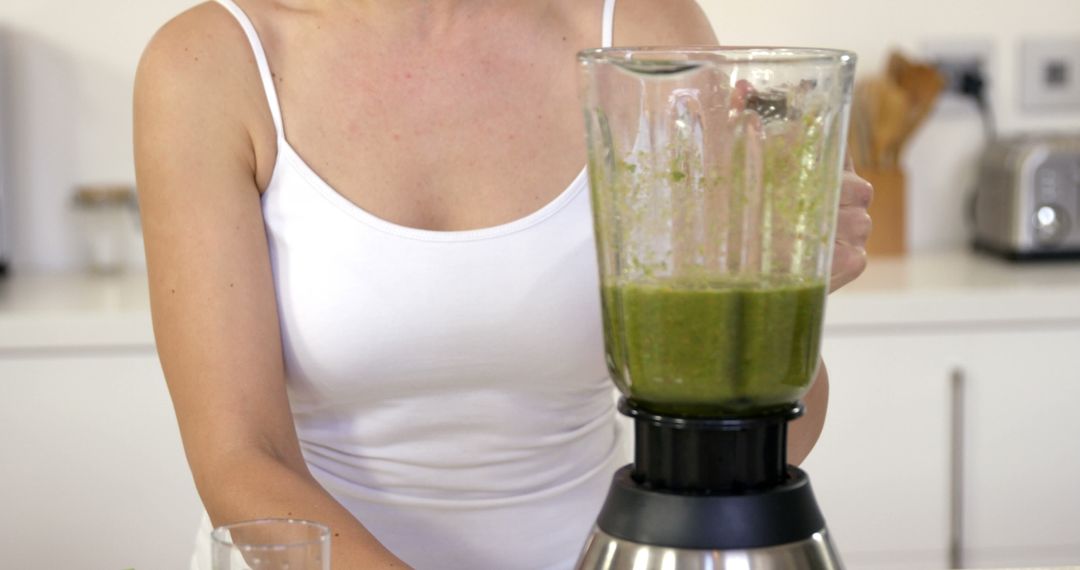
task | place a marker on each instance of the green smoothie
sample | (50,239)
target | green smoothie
(708,348)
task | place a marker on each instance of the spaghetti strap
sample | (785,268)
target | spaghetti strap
(260,61)
(608,31)
(607,36)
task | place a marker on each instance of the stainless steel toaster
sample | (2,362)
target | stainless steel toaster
(1027,197)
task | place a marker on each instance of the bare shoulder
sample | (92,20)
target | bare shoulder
(200,43)
(197,81)
(662,22)
(201,59)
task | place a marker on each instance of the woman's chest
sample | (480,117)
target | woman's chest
(458,138)
(373,315)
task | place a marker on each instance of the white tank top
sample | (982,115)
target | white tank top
(449,388)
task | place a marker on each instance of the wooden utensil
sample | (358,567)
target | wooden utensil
(881,108)
(921,84)
(886,111)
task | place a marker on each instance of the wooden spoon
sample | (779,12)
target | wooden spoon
(887,112)
(921,84)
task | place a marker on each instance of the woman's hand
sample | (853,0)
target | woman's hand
(852,229)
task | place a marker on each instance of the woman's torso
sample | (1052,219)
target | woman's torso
(447,382)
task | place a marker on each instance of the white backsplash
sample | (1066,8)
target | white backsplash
(72,67)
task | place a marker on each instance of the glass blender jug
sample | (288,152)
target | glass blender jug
(715,177)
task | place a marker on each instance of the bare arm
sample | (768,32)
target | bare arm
(849,261)
(212,295)
(804,432)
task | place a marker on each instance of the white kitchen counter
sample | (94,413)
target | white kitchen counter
(88,311)
(80,347)
(75,311)
(957,288)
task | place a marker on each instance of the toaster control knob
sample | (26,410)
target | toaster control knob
(1051,224)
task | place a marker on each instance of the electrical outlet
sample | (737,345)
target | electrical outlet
(956,59)
(1050,74)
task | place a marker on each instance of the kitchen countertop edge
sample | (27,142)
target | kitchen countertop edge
(928,290)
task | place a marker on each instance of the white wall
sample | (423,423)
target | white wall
(71,66)
(71,69)
(940,158)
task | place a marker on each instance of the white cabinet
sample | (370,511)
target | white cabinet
(92,473)
(882,469)
(1021,483)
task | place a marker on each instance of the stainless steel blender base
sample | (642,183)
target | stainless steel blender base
(606,552)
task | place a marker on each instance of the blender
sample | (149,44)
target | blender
(715,177)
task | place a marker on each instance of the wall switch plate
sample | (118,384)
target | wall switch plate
(953,57)
(1050,74)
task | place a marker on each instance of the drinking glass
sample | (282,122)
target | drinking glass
(271,544)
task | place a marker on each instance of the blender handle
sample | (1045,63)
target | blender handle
(957,381)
